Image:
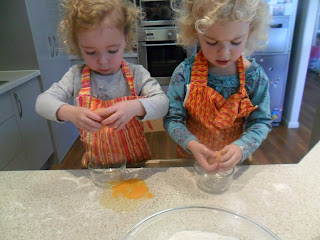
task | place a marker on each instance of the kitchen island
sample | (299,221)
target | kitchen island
(61,204)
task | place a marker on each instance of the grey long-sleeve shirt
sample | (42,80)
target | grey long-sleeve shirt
(104,87)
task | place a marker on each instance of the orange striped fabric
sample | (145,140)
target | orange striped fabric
(215,121)
(129,141)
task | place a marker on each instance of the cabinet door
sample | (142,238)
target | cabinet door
(6,110)
(18,163)
(10,142)
(33,128)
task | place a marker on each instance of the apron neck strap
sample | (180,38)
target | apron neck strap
(85,78)
(128,75)
(242,76)
(200,71)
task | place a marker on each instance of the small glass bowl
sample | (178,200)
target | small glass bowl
(213,182)
(107,174)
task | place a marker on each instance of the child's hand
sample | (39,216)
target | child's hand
(201,154)
(122,112)
(83,118)
(232,156)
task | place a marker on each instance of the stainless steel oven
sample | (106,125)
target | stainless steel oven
(159,53)
(157,12)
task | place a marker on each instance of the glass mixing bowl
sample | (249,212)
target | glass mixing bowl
(109,173)
(209,220)
(213,182)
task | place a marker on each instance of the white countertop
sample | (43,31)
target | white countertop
(15,78)
(65,204)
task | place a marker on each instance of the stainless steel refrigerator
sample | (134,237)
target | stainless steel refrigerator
(276,56)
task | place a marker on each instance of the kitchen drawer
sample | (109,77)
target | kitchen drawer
(6,108)
(10,141)
(19,162)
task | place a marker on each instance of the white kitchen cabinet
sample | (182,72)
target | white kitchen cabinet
(25,142)
(53,64)
(33,128)
(29,41)
(10,140)
(28,30)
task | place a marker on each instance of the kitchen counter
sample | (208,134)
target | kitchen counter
(12,79)
(60,204)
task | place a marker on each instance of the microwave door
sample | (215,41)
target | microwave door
(157,13)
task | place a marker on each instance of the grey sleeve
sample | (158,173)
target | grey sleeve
(156,102)
(59,93)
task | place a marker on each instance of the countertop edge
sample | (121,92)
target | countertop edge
(16,81)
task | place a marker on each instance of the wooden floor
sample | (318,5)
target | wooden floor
(282,145)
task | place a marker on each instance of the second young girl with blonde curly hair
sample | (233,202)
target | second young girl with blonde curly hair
(219,100)
(113,96)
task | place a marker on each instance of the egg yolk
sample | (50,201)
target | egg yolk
(131,189)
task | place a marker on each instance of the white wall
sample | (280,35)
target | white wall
(17,51)
(305,24)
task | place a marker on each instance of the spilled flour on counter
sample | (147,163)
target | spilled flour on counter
(126,195)
(199,235)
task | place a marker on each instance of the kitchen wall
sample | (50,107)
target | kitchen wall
(13,28)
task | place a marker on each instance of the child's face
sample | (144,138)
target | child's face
(102,47)
(224,42)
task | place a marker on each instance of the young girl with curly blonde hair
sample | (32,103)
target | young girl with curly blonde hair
(99,31)
(219,100)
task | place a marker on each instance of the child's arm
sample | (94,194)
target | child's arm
(153,106)
(83,118)
(58,94)
(121,113)
(156,102)
(53,103)
(201,153)
(258,123)
(174,121)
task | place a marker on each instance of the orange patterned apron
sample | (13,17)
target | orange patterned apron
(215,121)
(130,141)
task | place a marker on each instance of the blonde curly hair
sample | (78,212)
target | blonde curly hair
(79,15)
(196,15)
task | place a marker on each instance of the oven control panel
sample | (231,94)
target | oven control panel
(157,34)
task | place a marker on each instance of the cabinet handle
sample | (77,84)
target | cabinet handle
(19,105)
(51,47)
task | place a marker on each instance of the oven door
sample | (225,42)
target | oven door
(157,13)
(161,58)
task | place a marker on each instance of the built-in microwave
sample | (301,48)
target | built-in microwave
(157,13)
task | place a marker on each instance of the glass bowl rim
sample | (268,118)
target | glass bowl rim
(198,169)
(94,166)
(179,208)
